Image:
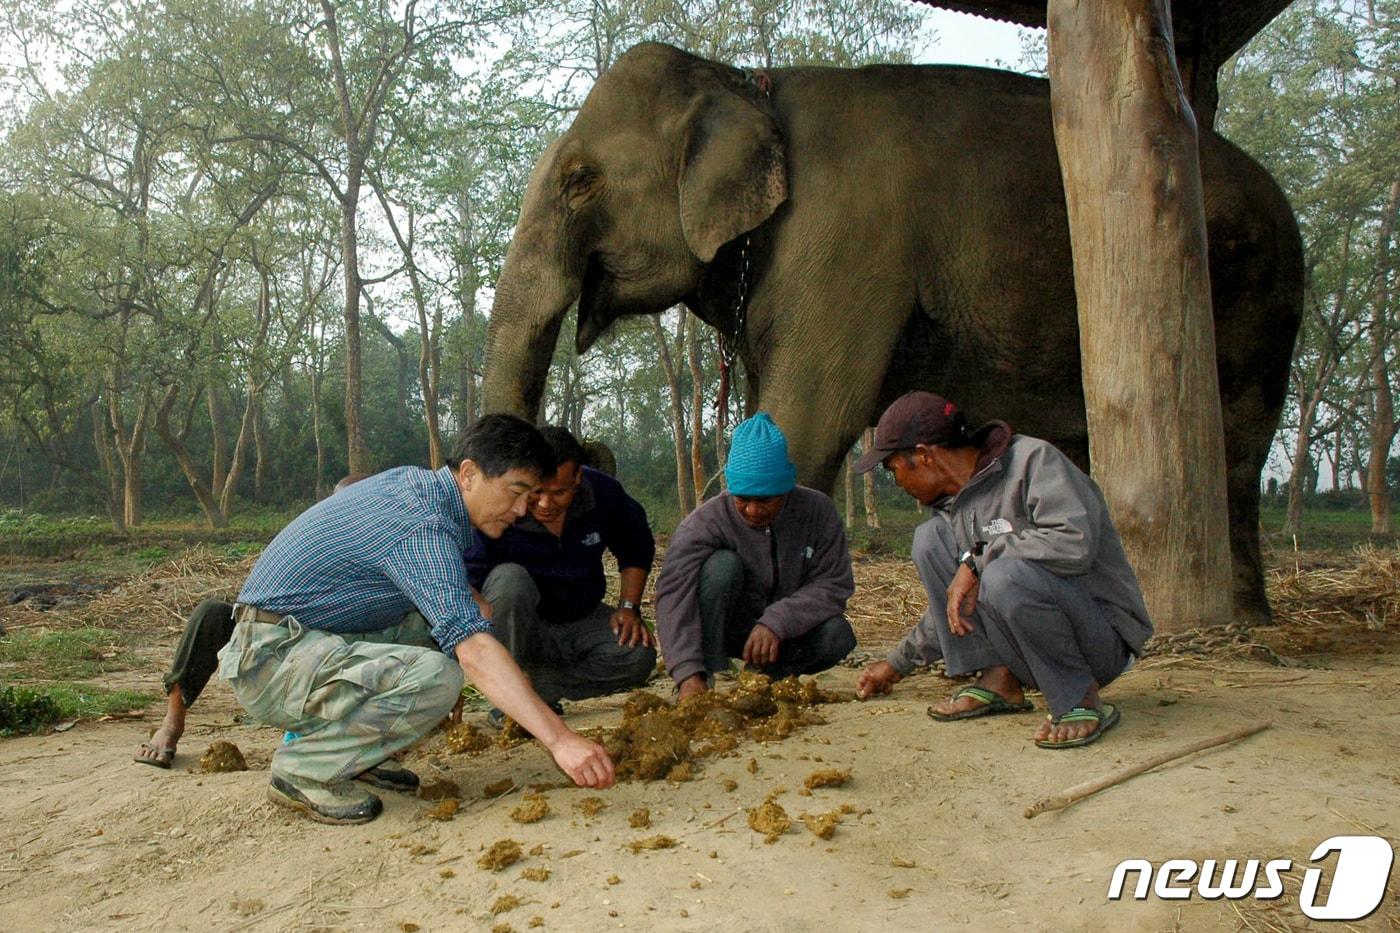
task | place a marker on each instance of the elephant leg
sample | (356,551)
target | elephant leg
(822,404)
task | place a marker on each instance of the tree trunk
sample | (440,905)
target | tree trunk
(850,488)
(317,358)
(1383,425)
(218,436)
(697,408)
(1128,154)
(872,511)
(102,441)
(685,486)
(259,452)
(203,494)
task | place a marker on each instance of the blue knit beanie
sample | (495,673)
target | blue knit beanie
(758,460)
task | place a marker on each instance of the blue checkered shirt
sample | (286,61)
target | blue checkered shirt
(359,560)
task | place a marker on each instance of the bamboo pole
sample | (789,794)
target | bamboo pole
(1079,791)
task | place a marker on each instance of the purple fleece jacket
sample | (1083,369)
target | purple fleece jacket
(813,574)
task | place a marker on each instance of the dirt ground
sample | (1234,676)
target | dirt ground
(934,834)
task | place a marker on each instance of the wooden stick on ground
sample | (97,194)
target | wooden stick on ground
(1079,791)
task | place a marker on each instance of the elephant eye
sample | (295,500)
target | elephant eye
(581,184)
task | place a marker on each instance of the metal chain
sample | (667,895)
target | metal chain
(729,339)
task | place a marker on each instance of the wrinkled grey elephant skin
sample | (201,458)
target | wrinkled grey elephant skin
(907,230)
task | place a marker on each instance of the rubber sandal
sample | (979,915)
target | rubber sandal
(1107,718)
(993,704)
(164,755)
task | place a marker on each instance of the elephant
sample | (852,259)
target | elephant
(859,233)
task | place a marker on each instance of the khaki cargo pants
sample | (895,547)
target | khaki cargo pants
(353,700)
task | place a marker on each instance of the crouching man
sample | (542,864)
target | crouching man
(760,572)
(1027,581)
(545,583)
(317,648)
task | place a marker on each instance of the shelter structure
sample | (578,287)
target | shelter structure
(1131,83)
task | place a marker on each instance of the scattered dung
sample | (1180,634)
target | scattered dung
(899,894)
(657,740)
(614,879)
(536,922)
(640,818)
(503,852)
(444,810)
(822,825)
(505,902)
(591,806)
(441,789)
(753,766)
(898,862)
(465,738)
(535,874)
(534,809)
(770,819)
(502,928)
(652,842)
(222,757)
(498,788)
(827,777)
(730,785)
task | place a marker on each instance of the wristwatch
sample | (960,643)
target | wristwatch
(968,560)
(628,604)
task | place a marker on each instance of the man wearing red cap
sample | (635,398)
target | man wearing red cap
(1028,582)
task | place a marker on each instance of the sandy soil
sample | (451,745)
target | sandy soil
(90,840)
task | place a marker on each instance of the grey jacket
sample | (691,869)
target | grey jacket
(1028,501)
(813,580)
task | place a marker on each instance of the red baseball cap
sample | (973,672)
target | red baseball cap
(914,418)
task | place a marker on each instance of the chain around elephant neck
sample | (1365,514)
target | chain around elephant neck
(731,336)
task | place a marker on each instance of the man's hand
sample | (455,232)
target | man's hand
(693,685)
(962,600)
(879,677)
(584,761)
(762,647)
(629,628)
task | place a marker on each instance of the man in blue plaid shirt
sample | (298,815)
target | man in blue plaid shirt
(326,644)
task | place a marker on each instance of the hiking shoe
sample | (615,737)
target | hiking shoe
(390,775)
(339,803)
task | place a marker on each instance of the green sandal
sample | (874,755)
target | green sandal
(1106,718)
(993,704)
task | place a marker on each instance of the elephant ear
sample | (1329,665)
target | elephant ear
(734,175)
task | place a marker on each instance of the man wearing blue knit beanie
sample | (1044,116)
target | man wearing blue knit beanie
(760,572)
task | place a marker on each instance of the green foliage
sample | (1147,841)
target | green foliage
(18,524)
(26,712)
(66,654)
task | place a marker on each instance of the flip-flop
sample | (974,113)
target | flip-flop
(993,704)
(1107,718)
(164,754)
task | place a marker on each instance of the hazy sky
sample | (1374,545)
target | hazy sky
(970,40)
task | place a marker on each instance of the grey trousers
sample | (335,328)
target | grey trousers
(571,661)
(724,628)
(1047,629)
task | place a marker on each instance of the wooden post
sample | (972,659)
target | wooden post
(1128,155)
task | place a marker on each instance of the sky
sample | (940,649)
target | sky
(969,40)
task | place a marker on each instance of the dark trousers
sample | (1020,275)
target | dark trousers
(725,627)
(566,661)
(197,655)
(1047,629)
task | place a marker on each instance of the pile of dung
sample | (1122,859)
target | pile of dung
(445,810)
(591,806)
(827,777)
(466,738)
(770,819)
(651,842)
(221,757)
(822,825)
(657,740)
(503,852)
(534,809)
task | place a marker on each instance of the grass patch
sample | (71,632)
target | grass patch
(34,709)
(69,654)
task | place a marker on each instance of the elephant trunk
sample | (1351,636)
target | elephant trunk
(531,299)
